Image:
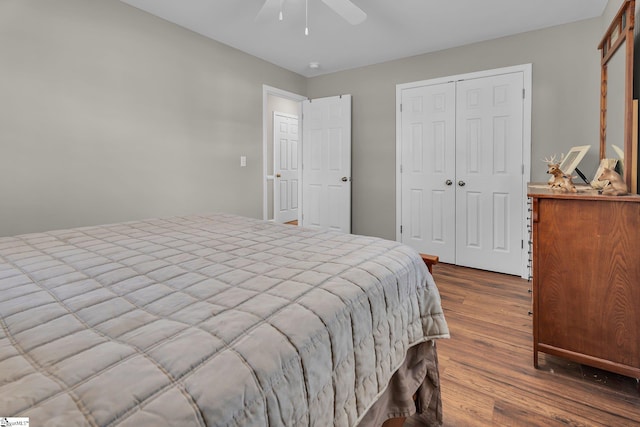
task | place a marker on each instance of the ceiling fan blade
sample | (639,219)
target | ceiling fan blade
(270,7)
(349,11)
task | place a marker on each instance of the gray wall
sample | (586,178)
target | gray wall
(566,85)
(110,114)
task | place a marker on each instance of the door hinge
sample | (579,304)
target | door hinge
(523,169)
(400,229)
(524,91)
(400,168)
(521,244)
(401,108)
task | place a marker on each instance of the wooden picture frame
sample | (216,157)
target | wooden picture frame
(620,32)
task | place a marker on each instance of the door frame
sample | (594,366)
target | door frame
(526,70)
(266,117)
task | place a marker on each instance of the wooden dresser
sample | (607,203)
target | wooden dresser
(586,278)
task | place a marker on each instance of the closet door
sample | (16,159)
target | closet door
(428,169)
(489,172)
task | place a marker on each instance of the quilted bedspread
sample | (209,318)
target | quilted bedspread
(213,320)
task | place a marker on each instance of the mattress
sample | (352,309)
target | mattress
(213,320)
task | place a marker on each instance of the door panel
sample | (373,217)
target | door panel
(473,217)
(489,172)
(415,231)
(501,222)
(326,165)
(439,215)
(428,160)
(285,167)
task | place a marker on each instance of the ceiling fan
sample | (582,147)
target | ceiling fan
(345,8)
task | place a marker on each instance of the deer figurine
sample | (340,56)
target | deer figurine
(559,180)
(616,185)
(553,168)
(567,184)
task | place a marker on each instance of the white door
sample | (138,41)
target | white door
(489,174)
(326,164)
(285,167)
(428,169)
(461,172)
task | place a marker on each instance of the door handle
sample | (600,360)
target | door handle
(448,182)
(461,183)
(344,179)
(278,175)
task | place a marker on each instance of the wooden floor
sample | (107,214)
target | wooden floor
(486,368)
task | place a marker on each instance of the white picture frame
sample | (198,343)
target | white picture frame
(572,159)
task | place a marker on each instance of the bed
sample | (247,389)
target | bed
(215,320)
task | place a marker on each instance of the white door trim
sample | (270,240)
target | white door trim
(526,70)
(266,117)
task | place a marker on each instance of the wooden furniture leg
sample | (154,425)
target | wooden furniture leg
(430,260)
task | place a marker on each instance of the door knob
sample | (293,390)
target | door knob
(344,179)
(278,175)
(448,182)
(461,183)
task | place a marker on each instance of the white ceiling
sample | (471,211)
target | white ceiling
(393,28)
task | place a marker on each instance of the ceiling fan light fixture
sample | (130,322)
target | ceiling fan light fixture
(314,65)
(306,17)
(345,8)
